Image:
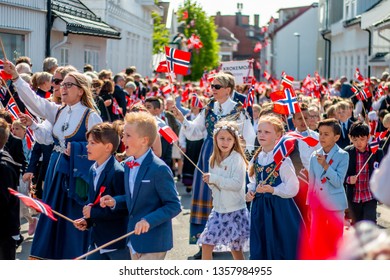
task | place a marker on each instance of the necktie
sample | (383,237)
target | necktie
(132,164)
(220,111)
(345,132)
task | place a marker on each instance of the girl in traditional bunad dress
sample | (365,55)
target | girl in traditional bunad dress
(275,219)
(228,224)
(221,106)
(65,188)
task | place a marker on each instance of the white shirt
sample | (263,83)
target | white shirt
(98,171)
(195,130)
(230,178)
(290,184)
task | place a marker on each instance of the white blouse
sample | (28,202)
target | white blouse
(290,184)
(195,130)
(72,115)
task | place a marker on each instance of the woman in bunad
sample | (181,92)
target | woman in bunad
(65,188)
(221,106)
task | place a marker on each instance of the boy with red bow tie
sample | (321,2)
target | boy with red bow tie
(151,197)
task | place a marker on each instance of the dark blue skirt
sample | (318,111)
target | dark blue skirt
(276,224)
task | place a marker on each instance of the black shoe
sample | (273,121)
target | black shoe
(198,255)
(188,189)
(20,241)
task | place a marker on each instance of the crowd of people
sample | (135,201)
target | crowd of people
(87,144)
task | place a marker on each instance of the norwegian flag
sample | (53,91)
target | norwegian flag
(33,203)
(166,90)
(248,79)
(178,61)
(250,97)
(374,145)
(258,47)
(29,138)
(308,139)
(13,109)
(287,81)
(162,67)
(381,135)
(361,94)
(285,102)
(168,134)
(116,110)
(195,102)
(194,42)
(358,76)
(267,75)
(4,74)
(283,149)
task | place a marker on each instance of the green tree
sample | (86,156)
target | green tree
(200,24)
(160,34)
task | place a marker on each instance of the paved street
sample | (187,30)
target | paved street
(182,250)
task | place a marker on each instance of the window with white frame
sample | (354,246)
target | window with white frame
(91,57)
(349,9)
(64,57)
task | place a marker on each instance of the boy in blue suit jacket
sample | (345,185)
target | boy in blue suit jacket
(105,178)
(151,197)
(328,167)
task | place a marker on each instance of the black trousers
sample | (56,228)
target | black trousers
(363,211)
(8,249)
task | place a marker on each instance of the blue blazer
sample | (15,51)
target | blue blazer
(155,200)
(328,185)
(104,224)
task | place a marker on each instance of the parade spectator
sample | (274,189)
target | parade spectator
(106,177)
(50,65)
(119,92)
(9,204)
(151,197)
(64,193)
(273,234)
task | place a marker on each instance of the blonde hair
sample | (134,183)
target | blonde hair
(232,128)
(18,123)
(82,82)
(146,125)
(279,128)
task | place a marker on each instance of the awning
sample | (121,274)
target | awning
(380,59)
(85,26)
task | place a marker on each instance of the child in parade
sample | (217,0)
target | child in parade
(328,167)
(361,202)
(106,177)
(151,197)
(228,222)
(276,222)
(9,204)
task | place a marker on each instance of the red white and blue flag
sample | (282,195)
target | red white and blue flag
(283,149)
(358,75)
(33,203)
(287,81)
(178,61)
(195,102)
(308,139)
(168,134)
(250,97)
(374,145)
(13,108)
(361,94)
(285,102)
(4,74)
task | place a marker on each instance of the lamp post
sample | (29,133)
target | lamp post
(296,34)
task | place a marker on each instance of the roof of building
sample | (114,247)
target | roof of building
(81,20)
(225,34)
(302,10)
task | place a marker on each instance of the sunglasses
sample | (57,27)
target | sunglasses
(56,81)
(69,85)
(216,86)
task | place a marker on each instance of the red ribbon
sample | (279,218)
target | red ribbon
(323,180)
(97,200)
